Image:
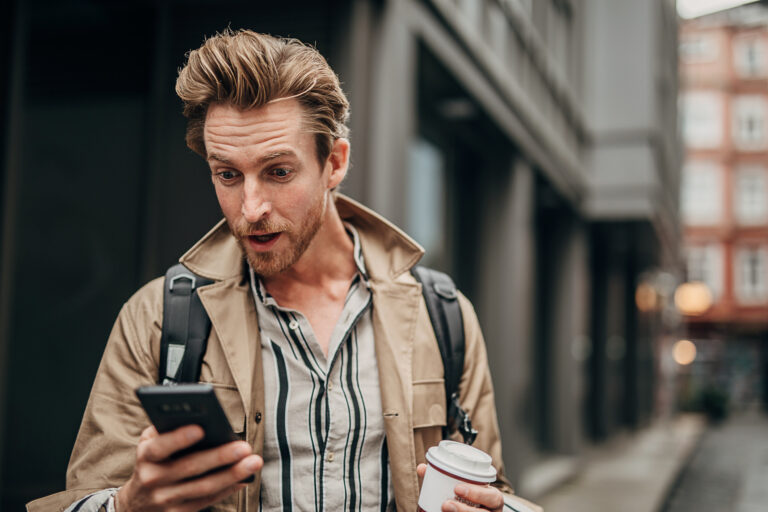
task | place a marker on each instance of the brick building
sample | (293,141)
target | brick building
(724,202)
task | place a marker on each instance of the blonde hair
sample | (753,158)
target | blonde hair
(248,70)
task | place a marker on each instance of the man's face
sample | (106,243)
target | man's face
(269,184)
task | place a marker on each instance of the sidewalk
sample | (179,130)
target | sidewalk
(634,474)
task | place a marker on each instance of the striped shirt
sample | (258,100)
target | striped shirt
(324,442)
(100,501)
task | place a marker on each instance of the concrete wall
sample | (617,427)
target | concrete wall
(630,101)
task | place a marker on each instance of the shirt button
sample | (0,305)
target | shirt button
(257,417)
(330,386)
(330,456)
(293,325)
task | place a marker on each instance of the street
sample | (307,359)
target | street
(729,470)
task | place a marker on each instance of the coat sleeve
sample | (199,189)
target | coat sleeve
(105,450)
(476,396)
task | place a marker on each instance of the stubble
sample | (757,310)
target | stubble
(270,263)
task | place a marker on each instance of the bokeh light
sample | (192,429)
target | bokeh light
(684,352)
(693,298)
(646,297)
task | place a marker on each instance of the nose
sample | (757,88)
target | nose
(255,204)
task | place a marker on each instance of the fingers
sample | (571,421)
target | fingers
(201,462)
(421,469)
(204,503)
(486,496)
(159,447)
(160,482)
(210,486)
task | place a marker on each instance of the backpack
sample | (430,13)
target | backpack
(186,327)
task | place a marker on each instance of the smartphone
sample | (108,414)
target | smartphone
(171,407)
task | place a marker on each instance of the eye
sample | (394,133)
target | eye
(227,175)
(281,173)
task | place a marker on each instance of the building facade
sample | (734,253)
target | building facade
(530,146)
(724,201)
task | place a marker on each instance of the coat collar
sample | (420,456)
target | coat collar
(388,251)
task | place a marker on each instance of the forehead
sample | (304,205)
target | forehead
(279,123)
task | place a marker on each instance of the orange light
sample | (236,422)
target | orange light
(684,352)
(646,298)
(693,298)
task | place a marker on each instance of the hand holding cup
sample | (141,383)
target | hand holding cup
(457,479)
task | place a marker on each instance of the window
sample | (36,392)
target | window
(705,264)
(701,191)
(749,56)
(698,48)
(749,122)
(749,275)
(426,199)
(702,119)
(750,202)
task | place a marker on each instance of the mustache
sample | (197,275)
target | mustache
(243,229)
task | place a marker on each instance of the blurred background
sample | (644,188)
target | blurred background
(593,173)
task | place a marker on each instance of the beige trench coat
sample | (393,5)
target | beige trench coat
(409,363)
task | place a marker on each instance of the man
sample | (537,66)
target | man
(321,350)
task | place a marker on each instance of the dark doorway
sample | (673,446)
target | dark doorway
(107,195)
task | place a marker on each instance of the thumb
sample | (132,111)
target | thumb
(148,433)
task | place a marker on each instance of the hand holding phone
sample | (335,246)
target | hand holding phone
(171,407)
(186,467)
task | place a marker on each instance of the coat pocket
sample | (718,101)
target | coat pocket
(429,415)
(429,403)
(232,404)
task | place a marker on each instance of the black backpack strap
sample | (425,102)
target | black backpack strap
(185,326)
(441,298)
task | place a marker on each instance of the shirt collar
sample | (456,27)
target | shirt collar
(357,251)
(261,294)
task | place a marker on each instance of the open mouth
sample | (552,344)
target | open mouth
(262,239)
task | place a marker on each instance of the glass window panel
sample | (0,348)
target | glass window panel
(750,195)
(705,264)
(702,119)
(750,275)
(426,199)
(749,113)
(698,48)
(749,56)
(701,191)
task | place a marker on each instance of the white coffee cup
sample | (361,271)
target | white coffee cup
(450,464)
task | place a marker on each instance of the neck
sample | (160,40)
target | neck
(329,257)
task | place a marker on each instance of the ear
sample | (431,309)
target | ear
(338,162)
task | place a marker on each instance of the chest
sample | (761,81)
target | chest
(324,427)
(322,313)
(322,309)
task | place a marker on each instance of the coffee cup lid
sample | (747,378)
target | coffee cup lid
(463,461)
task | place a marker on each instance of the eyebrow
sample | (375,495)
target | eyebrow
(276,155)
(219,158)
(266,158)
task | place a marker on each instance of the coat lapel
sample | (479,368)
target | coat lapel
(389,253)
(395,307)
(233,317)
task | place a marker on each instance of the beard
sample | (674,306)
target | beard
(270,263)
